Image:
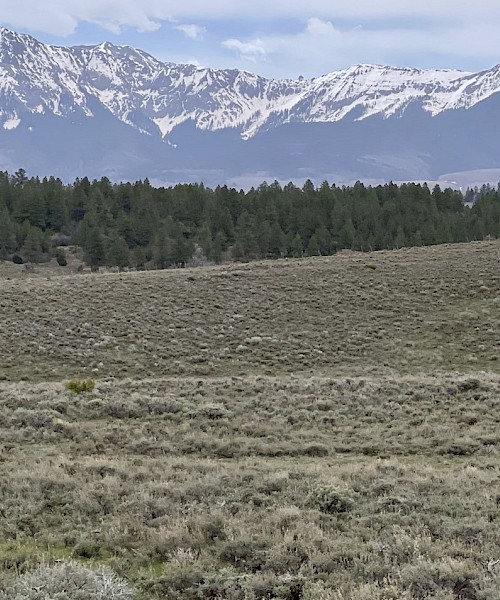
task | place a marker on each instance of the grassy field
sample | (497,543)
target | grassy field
(325,428)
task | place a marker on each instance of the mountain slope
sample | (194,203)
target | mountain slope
(118,111)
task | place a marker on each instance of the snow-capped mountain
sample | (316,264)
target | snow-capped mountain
(115,110)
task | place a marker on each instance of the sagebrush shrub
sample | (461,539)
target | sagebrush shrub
(331,499)
(22,417)
(68,581)
(61,258)
(78,386)
(181,583)
(248,555)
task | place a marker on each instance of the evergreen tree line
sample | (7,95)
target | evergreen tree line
(138,225)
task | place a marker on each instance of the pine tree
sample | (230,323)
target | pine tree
(141,228)
(32,247)
(56,209)
(218,247)
(297,246)
(417,238)
(324,240)
(29,205)
(246,233)
(117,254)
(264,238)
(181,249)
(95,249)
(313,246)
(205,240)
(91,238)
(161,249)
(77,203)
(347,234)
(19,178)
(7,235)
(277,242)
(139,258)
(400,241)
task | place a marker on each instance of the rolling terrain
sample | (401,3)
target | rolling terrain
(323,428)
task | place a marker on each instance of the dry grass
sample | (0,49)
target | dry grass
(421,310)
(316,429)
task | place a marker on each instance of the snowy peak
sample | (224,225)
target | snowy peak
(135,116)
(155,97)
(37,78)
(375,89)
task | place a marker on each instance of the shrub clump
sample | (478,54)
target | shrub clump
(38,419)
(181,583)
(247,555)
(78,386)
(68,581)
(61,258)
(331,499)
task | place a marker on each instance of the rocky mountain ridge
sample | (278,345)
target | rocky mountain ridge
(171,104)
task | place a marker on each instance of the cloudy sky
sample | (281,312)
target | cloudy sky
(275,38)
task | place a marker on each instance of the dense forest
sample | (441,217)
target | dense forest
(141,226)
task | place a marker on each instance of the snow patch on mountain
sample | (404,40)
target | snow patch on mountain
(155,97)
(11,123)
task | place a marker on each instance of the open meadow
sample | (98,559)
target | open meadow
(324,428)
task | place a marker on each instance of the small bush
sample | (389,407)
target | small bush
(213,529)
(68,581)
(61,258)
(468,385)
(38,419)
(213,411)
(180,583)
(247,555)
(330,499)
(87,549)
(78,386)
(17,260)
(448,578)
(462,448)
(316,450)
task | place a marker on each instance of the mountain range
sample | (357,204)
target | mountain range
(117,111)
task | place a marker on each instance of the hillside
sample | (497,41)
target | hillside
(323,428)
(409,311)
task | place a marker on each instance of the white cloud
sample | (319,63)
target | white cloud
(321,47)
(316,26)
(313,51)
(62,16)
(248,50)
(334,33)
(194,32)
